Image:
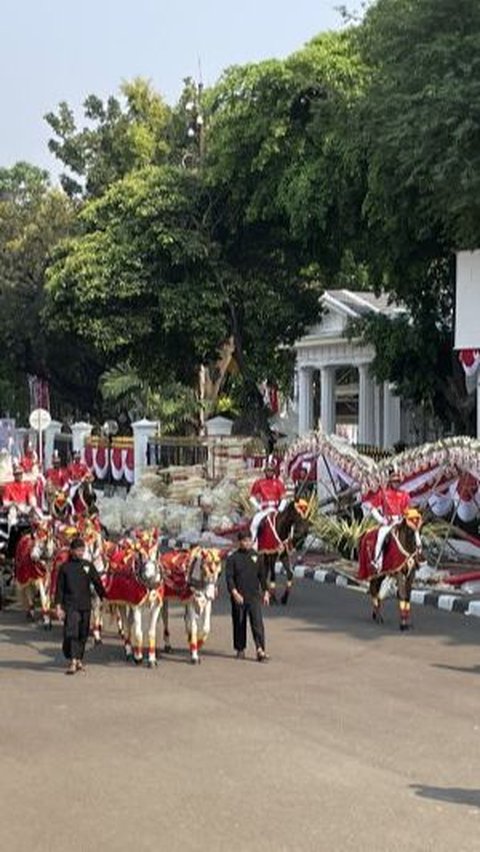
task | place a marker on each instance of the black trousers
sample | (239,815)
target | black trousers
(251,610)
(75,633)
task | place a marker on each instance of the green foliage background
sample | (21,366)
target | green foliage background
(355,163)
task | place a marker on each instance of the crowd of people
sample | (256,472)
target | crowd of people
(31,490)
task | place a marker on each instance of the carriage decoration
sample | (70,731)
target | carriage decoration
(443,476)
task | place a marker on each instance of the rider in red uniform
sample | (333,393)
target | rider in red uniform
(77,472)
(77,469)
(267,496)
(18,492)
(387,506)
(56,486)
(29,460)
(56,475)
(18,496)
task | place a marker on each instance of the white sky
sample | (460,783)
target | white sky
(53,50)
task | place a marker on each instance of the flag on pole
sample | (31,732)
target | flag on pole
(39,392)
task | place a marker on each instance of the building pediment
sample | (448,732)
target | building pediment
(332,324)
(340,308)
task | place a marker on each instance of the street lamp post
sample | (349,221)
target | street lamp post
(196,135)
(196,122)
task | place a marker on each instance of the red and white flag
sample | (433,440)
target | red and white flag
(470,361)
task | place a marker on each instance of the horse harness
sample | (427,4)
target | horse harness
(409,561)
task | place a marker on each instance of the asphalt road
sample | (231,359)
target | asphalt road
(353,737)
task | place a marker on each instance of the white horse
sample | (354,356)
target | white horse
(33,563)
(137,593)
(95,554)
(191,578)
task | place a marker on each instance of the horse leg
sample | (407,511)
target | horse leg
(404,592)
(167,647)
(137,635)
(191,624)
(288,568)
(270,561)
(97,620)
(45,604)
(120,619)
(126,622)
(152,635)
(206,623)
(374,590)
(27,602)
(203,624)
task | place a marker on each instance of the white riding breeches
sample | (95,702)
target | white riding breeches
(383,532)
(258,518)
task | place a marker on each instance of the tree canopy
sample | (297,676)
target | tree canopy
(138,281)
(354,162)
(119,135)
(33,218)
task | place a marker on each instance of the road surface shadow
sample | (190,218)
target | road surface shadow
(466,669)
(331,609)
(454,795)
(312,608)
(46,644)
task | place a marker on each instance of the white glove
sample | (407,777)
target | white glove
(379,517)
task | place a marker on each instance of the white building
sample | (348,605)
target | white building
(334,384)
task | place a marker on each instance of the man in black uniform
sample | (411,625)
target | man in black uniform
(246,582)
(74,603)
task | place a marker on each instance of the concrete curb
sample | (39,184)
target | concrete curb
(437,600)
(329,575)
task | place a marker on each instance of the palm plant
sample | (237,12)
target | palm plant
(174,405)
(341,534)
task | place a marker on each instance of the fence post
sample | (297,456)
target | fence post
(142,431)
(50,433)
(80,431)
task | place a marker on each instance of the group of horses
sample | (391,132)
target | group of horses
(401,557)
(141,577)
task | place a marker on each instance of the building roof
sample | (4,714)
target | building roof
(360,303)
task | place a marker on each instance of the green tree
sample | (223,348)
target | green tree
(225,249)
(422,117)
(418,124)
(138,282)
(120,135)
(34,217)
(278,153)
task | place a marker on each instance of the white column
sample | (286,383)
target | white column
(366,434)
(49,442)
(378,414)
(305,400)
(142,431)
(327,399)
(80,432)
(391,417)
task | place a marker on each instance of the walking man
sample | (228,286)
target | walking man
(247,585)
(74,603)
